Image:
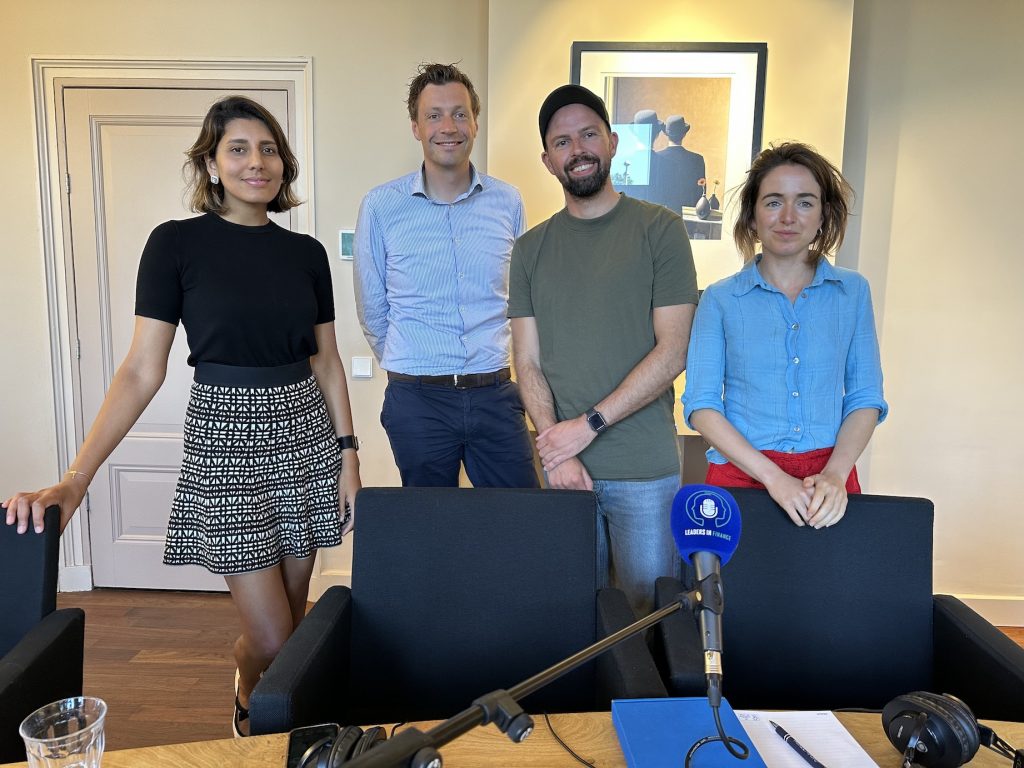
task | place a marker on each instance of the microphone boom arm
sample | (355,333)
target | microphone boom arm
(418,749)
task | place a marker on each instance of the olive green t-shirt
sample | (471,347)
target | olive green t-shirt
(592,285)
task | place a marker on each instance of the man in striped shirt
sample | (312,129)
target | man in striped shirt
(431,261)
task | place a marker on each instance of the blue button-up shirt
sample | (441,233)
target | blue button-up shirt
(431,278)
(785,374)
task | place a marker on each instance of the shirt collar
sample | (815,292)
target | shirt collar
(750,277)
(417,187)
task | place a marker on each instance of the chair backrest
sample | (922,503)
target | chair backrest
(28,569)
(836,617)
(458,592)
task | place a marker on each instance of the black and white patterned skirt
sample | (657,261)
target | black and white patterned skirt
(259,478)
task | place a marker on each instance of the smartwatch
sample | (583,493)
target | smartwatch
(348,441)
(596,421)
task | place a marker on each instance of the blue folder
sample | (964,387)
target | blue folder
(656,733)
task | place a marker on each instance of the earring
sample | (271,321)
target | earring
(214,179)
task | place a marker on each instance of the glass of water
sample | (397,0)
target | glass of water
(65,734)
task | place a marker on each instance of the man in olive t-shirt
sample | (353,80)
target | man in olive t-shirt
(601,298)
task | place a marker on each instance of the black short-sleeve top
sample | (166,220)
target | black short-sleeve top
(246,296)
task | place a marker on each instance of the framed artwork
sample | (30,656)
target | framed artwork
(689,118)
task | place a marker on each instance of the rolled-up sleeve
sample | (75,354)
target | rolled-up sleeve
(705,359)
(863,382)
(370,287)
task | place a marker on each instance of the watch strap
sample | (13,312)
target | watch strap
(348,441)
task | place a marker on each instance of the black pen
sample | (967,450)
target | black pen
(807,756)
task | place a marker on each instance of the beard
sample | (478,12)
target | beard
(589,185)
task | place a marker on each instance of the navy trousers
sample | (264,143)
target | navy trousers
(434,429)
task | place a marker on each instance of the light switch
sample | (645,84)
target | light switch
(362,367)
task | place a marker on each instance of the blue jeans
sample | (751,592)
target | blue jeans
(434,430)
(634,536)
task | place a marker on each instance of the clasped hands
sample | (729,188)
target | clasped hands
(558,446)
(818,500)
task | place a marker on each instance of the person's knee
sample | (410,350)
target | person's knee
(267,642)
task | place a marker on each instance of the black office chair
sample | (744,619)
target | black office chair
(41,649)
(842,617)
(456,593)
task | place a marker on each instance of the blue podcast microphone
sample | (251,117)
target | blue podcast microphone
(706,526)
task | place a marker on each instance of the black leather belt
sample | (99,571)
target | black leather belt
(456,380)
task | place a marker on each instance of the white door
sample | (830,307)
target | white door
(124,154)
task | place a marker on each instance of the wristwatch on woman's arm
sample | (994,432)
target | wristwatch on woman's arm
(348,441)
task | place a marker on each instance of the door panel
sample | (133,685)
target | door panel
(125,148)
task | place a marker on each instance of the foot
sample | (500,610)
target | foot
(240,718)
(240,721)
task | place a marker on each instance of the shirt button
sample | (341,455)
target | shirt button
(803,295)
(789,450)
(796,361)
(796,394)
(796,429)
(795,327)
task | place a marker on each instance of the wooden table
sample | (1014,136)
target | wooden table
(590,735)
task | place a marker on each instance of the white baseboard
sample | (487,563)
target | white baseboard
(1001,610)
(324,581)
(74,578)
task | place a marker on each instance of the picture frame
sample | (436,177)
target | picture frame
(684,112)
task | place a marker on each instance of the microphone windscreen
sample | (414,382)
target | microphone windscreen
(705,518)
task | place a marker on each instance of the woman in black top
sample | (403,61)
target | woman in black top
(270,457)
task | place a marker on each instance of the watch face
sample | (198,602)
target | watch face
(596,421)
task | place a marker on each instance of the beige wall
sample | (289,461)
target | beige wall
(933,142)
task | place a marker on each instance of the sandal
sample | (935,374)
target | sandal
(240,715)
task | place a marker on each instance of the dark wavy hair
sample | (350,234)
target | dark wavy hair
(439,74)
(836,197)
(207,197)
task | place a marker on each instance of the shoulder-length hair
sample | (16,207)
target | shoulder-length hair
(836,198)
(206,197)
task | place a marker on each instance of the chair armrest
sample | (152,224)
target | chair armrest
(46,665)
(976,662)
(677,646)
(627,670)
(307,682)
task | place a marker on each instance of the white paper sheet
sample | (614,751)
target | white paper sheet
(820,733)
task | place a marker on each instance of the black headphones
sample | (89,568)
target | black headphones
(350,742)
(939,731)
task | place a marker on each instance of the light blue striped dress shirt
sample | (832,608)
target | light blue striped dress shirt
(432,277)
(785,374)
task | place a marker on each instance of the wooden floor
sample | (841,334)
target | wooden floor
(162,662)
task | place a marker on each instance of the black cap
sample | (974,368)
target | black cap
(563,97)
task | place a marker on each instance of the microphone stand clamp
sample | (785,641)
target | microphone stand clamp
(501,709)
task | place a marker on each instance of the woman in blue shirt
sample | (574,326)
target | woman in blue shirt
(783,374)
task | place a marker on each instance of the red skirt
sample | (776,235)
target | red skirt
(799,465)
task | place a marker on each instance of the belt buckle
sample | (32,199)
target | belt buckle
(455,378)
